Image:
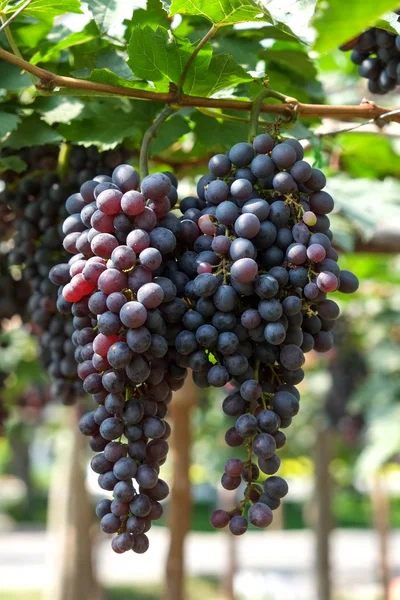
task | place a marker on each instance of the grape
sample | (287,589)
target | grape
(291,357)
(242,248)
(348,282)
(301,171)
(220,165)
(220,519)
(238,525)
(226,213)
(217,191)
(218,376)
(327,282)
(283,183)
(156,186)
(247,226)
(316,253)
(275,333)
(260,515)
(150,295)
(244,270)
(263,143)
(241,154)
(284,155)
(285,404)
(262,166)
(275,487)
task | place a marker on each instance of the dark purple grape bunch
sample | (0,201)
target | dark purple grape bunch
(257,247)
(377,54)
(124,286)
(39,205)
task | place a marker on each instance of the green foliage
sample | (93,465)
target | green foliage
(336,25)
(222,12)
(46,10)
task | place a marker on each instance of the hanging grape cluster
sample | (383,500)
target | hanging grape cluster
(377,54)
(235,289)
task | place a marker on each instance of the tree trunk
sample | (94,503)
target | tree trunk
(70,517)
(180,498)
(381,518)
(322,513)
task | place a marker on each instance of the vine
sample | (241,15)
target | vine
(49,81)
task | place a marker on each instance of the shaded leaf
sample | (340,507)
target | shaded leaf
(222,12)
(32,132)
(106,76)
(12,78)
(58,109)
(8,122)
(51,52)
(12,163)
(168,134)
(336,25)
(154,15)
(107,13)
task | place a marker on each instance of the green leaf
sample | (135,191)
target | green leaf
(12,78)
(109,60)
(110,78)
(107,13)
(52,52)
(46,10)
(222,12)
(129,119)
(390,23)
(155,55)
(291,58)
(59,109)
(8,122)
(335,24)
(12,163)
(223,72)
(30,35)
(32,132)
(168,134)
(153,15)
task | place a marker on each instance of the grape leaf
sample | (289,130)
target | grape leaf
(12,78)
(12,163)
(32,132)
(222,12)
(110,78)
(51,52)
(168,134)
(390,23)
(153,15)
(292,58)
(46,10)
(59,109)
(107,13)
(335,25)
(129,119)
(30,35)
(223,72)
(8,122)
(110,61)
(155,55)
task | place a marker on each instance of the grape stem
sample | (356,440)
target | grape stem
(13,16)
(148,137)
(48,81)
(257,105)
(63,160)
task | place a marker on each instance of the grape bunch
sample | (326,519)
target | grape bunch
(377,54)
(234,289)
(124,286)
(259,256)
(39,205)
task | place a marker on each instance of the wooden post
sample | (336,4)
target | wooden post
(381,521)
(322,512)
(70,517)
(179,508)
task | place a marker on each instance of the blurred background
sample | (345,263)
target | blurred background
(336,535)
